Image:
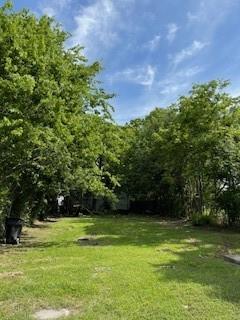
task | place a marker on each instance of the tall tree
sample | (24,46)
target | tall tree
(53,115)
(186,156)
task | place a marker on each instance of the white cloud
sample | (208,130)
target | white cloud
(172,30)
(144,76)
(173,88)
(94,24)
(193,17)
(188,52)
(49,11)
(177,83)
(188,72)
(62,3)
(211,13)
(153,43)
(53,7)
(98,25)
(161,93)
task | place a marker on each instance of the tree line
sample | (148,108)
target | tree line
(57,134)
(187,156)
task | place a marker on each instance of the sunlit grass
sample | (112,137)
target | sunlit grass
(139,268)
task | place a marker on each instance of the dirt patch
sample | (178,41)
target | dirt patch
(11,274)
(193,241)
(173,223)
(167,266)
(87,241)
(168,250)
(102,269)
(47,314)
(223,249)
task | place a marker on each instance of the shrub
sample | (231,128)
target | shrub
(202,219)
(229,201)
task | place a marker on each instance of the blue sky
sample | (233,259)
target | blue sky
(152,50)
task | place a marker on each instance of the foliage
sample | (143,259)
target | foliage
(229,201)
(186,155)
(55,121)
(202,219)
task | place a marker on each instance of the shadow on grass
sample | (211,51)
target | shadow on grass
(203,265)
(27,240)
(43,224)
(129,231)
(194,255)
(148,232)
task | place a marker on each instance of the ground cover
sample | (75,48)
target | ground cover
(130,268)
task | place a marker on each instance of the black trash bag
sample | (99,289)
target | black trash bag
(13,230)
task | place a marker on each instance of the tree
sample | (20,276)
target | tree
(53,115)
(201,137)
(144,161)
(186,156)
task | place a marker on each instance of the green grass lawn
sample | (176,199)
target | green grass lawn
(141,268)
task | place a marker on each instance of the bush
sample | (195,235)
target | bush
(202,219)
(229,201)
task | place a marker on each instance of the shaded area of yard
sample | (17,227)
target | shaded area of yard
(138,268)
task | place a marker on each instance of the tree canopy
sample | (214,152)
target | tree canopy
(55,120)
(186,156)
